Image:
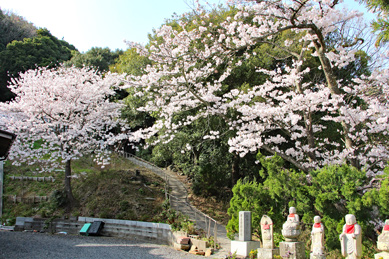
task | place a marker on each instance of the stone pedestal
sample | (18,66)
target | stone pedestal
(243,248)
(292,250)
(382,255)
(267,253)
(383,242)
(312,256)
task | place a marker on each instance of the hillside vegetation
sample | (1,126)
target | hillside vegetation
(116,191)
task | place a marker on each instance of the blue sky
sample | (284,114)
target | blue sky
(98,23)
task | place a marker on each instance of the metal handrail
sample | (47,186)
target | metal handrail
(207,226)
(169,195)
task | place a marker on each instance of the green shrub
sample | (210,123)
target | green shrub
(58,198)
(331,192)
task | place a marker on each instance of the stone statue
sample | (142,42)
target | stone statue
(351,238)
(291,228)
(317,238)
(383,239)
(267,232)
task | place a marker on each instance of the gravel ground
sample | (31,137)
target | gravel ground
(20,245)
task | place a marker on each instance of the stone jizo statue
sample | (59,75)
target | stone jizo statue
(383,239)
(291,228)
(317,237)
(351,238)
(267,232)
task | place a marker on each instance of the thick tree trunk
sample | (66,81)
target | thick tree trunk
(235,171)
(333,86)
(196,154)
(71,201)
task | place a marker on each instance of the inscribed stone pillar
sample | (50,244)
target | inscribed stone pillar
(244,225)
(244,245)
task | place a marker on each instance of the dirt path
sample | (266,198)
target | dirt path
(179,202)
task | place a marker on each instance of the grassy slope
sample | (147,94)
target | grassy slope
(112,192)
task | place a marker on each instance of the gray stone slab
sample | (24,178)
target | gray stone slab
(21,220)
(244,225)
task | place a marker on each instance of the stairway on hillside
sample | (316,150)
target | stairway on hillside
(179,202)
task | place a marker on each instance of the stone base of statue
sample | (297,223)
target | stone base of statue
(312,256)
(383,243)
(267,253)
(292,250)
(243,248)
(382,255)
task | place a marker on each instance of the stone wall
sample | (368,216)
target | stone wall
(156,232)
(159,233)
(70,226)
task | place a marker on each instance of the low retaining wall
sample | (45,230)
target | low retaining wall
(71,226)
(159,233)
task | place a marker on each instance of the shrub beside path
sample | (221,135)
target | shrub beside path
(179,201)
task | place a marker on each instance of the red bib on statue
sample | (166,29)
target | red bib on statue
(349,229)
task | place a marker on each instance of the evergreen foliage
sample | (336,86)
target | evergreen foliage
(130,62)
(43,50)
(330,192)
(98,58)
(381,24)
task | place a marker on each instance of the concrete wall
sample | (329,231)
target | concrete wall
(159,233)
(71,226)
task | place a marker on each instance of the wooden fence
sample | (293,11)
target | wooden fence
(27,200)
(30,178)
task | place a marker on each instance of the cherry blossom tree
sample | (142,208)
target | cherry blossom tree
(287,114)
(61,114)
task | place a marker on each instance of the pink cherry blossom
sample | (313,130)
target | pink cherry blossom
(185,77)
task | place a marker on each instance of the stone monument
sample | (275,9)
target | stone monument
(291,248)
(351,238)
(244,245)
(244,225)
(317,238)
(383,242)
(267,251)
